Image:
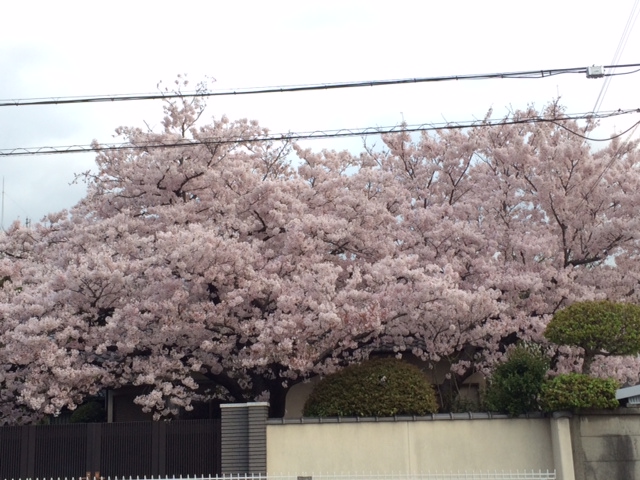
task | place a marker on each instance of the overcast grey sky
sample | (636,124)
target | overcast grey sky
(64,48)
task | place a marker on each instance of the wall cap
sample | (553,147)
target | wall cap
(244,405)
(561,414)
(404,418)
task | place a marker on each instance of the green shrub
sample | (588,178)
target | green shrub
(90,412)
(575,391)
(515,385)
(600,328)
(382,387)
(464,404)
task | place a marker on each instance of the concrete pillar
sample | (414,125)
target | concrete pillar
(561,445)
(244,438)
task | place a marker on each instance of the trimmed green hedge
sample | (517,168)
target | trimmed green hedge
(376,388)
(597,326)
(576,391)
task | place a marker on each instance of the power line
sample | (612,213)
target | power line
(631,20)
(622,73)
(608,139)
(628,28)
(529,74)
(320,134)
(607,166)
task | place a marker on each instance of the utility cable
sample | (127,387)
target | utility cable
(609,164)
(529,74)
(608,139)
(357,132)
(628,28)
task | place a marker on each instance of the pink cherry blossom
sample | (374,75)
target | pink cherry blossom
(245,268)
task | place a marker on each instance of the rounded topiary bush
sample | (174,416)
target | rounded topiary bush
(576,391)
(376,388)
(600,328)
(516,384)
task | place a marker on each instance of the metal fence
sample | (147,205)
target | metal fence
(460,475)
(110,450)
(496,475)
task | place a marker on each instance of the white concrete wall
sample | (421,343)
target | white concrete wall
(407,447)
(607,445)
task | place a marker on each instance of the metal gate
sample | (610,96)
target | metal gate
(186,447)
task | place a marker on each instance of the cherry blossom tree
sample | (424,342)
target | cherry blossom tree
(214,260)
(207,262)
(527,210)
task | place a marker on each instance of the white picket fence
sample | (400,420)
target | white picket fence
(463,475)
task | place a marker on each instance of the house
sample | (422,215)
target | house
(629,396)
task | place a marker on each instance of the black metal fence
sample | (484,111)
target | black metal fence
(187,447)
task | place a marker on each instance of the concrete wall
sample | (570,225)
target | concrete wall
(606,445)
(409,446)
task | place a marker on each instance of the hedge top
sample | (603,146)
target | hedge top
(600,327)
(381,387)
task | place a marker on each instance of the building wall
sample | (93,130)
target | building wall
(297,396)
(409,446)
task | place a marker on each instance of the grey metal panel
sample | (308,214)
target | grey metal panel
(244,435)
(235,425)
(258,438)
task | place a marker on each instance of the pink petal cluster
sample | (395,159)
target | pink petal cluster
(228,262)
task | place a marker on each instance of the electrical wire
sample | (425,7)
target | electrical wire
(529,74)
(321,134)
(628,28)
(598,139)
(622,73)
(606,168)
